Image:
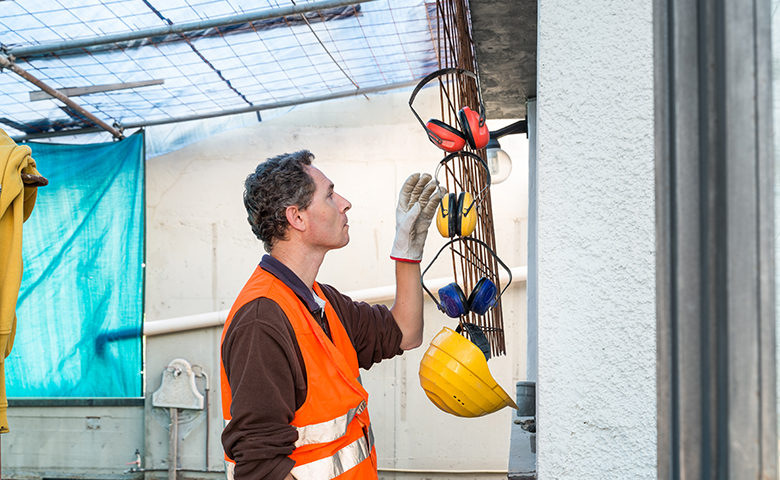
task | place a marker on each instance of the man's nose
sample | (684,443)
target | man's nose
(346,205)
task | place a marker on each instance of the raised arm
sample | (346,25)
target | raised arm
(417,203)
(408,307)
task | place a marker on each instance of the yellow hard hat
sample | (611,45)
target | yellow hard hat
(454,374)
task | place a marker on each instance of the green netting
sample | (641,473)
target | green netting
(80,305)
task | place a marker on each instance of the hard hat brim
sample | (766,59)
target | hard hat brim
(455,376)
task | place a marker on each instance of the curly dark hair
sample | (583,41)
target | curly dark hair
(276,184)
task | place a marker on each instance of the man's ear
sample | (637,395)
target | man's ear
(294,218)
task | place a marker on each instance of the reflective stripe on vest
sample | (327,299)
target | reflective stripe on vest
(341,461)
(230,470)
(327,431)
(344,459)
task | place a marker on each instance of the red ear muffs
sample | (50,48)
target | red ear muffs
(472,124)
(444,136)
(474,128)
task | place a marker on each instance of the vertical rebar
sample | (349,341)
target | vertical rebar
(469,262)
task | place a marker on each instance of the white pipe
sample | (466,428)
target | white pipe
(424,471)
(189,322)
(370,295)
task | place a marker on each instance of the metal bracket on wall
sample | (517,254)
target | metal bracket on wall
(522,444)
(177,391)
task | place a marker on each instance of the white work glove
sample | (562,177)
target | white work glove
(417,203)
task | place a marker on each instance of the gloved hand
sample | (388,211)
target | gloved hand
(417,203)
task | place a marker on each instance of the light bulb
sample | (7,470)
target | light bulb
(499,164)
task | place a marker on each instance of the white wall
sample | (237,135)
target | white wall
(56,440)
(776,131)
(596,386)
(200,250)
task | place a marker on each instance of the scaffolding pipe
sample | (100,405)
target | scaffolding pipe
(268,106)
(7,62)
(46,48)
(235,111)
(369,295)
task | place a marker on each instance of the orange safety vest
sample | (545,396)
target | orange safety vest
(335,440)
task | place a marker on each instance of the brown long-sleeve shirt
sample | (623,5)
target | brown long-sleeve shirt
(267,376)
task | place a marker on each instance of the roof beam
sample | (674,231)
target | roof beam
(46,48)
(8,63)
(76,91)
(221,113)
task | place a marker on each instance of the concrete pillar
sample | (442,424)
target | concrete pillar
(596,247)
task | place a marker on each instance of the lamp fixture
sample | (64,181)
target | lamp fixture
(499,162)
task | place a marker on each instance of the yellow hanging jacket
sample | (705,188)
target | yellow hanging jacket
(16,204)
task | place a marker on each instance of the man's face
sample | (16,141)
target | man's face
(326,218)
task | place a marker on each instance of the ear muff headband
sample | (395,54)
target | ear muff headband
(479,242)
(438,73)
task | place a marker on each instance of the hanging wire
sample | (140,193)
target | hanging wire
(336,62)
(370,48)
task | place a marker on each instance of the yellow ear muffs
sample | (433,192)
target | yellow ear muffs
(446,215)
(456,215)
(467,214)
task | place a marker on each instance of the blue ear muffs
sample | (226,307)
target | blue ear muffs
(453,302)
(482,296)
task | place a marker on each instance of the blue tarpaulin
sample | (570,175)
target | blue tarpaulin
(80,305)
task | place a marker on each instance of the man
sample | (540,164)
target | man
(292,400)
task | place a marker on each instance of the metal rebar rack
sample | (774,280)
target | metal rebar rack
(470,261)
